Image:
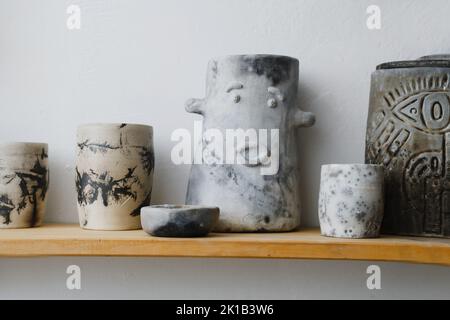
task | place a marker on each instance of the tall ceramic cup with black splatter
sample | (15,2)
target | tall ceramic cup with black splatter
(114,174)
(24,181)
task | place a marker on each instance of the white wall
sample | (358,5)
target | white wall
(138,61)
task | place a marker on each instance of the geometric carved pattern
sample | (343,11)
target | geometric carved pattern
(409,133)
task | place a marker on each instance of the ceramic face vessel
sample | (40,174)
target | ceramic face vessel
(114,174)
(258,95)
(351,200)
(179,221)
(408,133)
(24,182)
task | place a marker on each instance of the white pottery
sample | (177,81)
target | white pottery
(351,200)
(24,181)
(254,94)
(114,174)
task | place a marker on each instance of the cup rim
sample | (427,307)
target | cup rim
(179,207)
(256,55)
(361,165)
(23,144)
(114,124)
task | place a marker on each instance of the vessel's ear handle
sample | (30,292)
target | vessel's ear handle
(304,119)
(195,106)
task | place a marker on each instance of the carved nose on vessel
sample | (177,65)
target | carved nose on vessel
(304,119)
(194,106)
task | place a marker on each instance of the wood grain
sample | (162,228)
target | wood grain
(70,240)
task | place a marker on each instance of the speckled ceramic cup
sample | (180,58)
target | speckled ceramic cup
(24,181)
(351,200)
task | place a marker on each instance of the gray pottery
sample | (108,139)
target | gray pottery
(351,200)
(24,182)
(251,92)
(408,133)
(114,174)
(179,221)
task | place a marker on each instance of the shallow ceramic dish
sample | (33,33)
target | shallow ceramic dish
(179,220)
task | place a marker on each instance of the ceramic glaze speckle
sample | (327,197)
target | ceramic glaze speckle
(251,92)
(179,221)
(351,200)
(114,174)
(24,182)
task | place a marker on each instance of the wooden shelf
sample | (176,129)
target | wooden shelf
(70,240)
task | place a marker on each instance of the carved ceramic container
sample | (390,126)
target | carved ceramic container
(351,200)
(114,175)
(258,95)
(24,182)
(408,133)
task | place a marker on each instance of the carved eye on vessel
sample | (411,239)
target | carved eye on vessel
(235,86)
(428,112)
(272,102)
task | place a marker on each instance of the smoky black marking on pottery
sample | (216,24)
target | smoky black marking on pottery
(185,223)
(275,68)
(191,229)
(6,207)
(44,154)
(136,212)
(147,155)
(89,184)
(148,159)
(214,69)
(409,133)
(95,147)
(123,125)
(33,186)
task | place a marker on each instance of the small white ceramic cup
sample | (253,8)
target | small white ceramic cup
(351,200)
(24,182)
